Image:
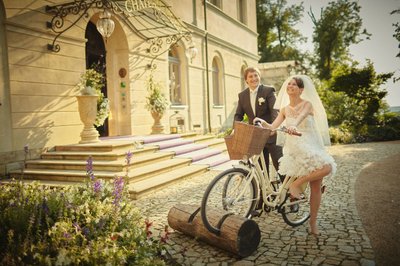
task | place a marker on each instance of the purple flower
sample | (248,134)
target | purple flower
(66,235)
(118,189)
(128,157)
(97,186)
(89,168)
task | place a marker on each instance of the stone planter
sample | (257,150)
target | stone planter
(157,127)
(87,106)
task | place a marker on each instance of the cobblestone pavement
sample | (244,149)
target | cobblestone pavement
(343,240)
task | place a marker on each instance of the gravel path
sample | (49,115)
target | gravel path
(343,241)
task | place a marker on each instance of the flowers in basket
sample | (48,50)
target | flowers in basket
(156,101)
(91,83)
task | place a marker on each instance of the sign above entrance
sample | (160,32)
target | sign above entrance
(152,20)
(137,5)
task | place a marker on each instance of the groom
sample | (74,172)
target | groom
(258,101)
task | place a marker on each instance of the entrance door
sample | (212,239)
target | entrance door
(96,56)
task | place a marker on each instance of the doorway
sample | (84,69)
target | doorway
(96,58)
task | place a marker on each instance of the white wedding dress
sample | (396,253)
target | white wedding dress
(306,153)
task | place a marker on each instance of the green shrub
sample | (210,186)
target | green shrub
(341,135)
(89,224)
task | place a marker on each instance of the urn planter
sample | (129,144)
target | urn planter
(87,106)
(157,127)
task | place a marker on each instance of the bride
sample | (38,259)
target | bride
(305,157)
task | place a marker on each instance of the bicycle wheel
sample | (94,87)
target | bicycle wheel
(298,213)
(229,192)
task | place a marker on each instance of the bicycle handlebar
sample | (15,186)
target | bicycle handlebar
(282,128)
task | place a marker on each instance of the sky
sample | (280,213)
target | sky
(382,47)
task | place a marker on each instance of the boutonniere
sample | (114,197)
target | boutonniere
(261,100)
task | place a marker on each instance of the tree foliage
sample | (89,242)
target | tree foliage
(339,26)
(396,35)
(354,99)
(278,39)
(397,29)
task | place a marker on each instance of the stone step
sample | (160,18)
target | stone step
(200,154)
(149,185)
(135,173)
(225,166)
(215,141)
(185,148)
(157,160)
(171,143)
(99,165)
(97,156)
(201,138)
(215,160)
(141,173)
(102,146)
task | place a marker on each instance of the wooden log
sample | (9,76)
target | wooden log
(238,235)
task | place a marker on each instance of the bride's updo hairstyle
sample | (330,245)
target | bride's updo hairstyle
(299,82)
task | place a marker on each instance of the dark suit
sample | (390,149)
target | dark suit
(265,111)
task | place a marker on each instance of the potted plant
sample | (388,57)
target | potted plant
(93,107)
(156,103)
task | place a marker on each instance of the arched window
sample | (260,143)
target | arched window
(175,88)
(218,96)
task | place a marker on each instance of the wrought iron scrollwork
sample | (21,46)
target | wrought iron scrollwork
(155,10)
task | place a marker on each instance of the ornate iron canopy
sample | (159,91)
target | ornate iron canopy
(152,20)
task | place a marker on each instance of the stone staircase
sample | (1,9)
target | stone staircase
(157,161)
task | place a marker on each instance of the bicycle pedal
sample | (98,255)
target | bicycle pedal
(267,209)
(294,208)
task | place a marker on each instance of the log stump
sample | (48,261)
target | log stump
(238,235)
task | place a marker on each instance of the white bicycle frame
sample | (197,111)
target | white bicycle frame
(271,198)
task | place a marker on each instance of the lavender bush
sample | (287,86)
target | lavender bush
(90,224)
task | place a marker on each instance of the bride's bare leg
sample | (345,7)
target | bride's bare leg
(294,188)
(315,202)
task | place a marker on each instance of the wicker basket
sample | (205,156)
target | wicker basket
(247,140)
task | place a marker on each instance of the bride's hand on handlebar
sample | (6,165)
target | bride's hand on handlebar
(292,130)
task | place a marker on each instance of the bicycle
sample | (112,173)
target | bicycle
(238,191)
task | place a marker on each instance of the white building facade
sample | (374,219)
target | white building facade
(38,107)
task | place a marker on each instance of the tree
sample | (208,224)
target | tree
(396,34)
(338,27)
(359,91)
(397,29)
(277,38)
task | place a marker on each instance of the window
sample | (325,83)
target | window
(218,98)
(216,3)
(175,88)
(242,11)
